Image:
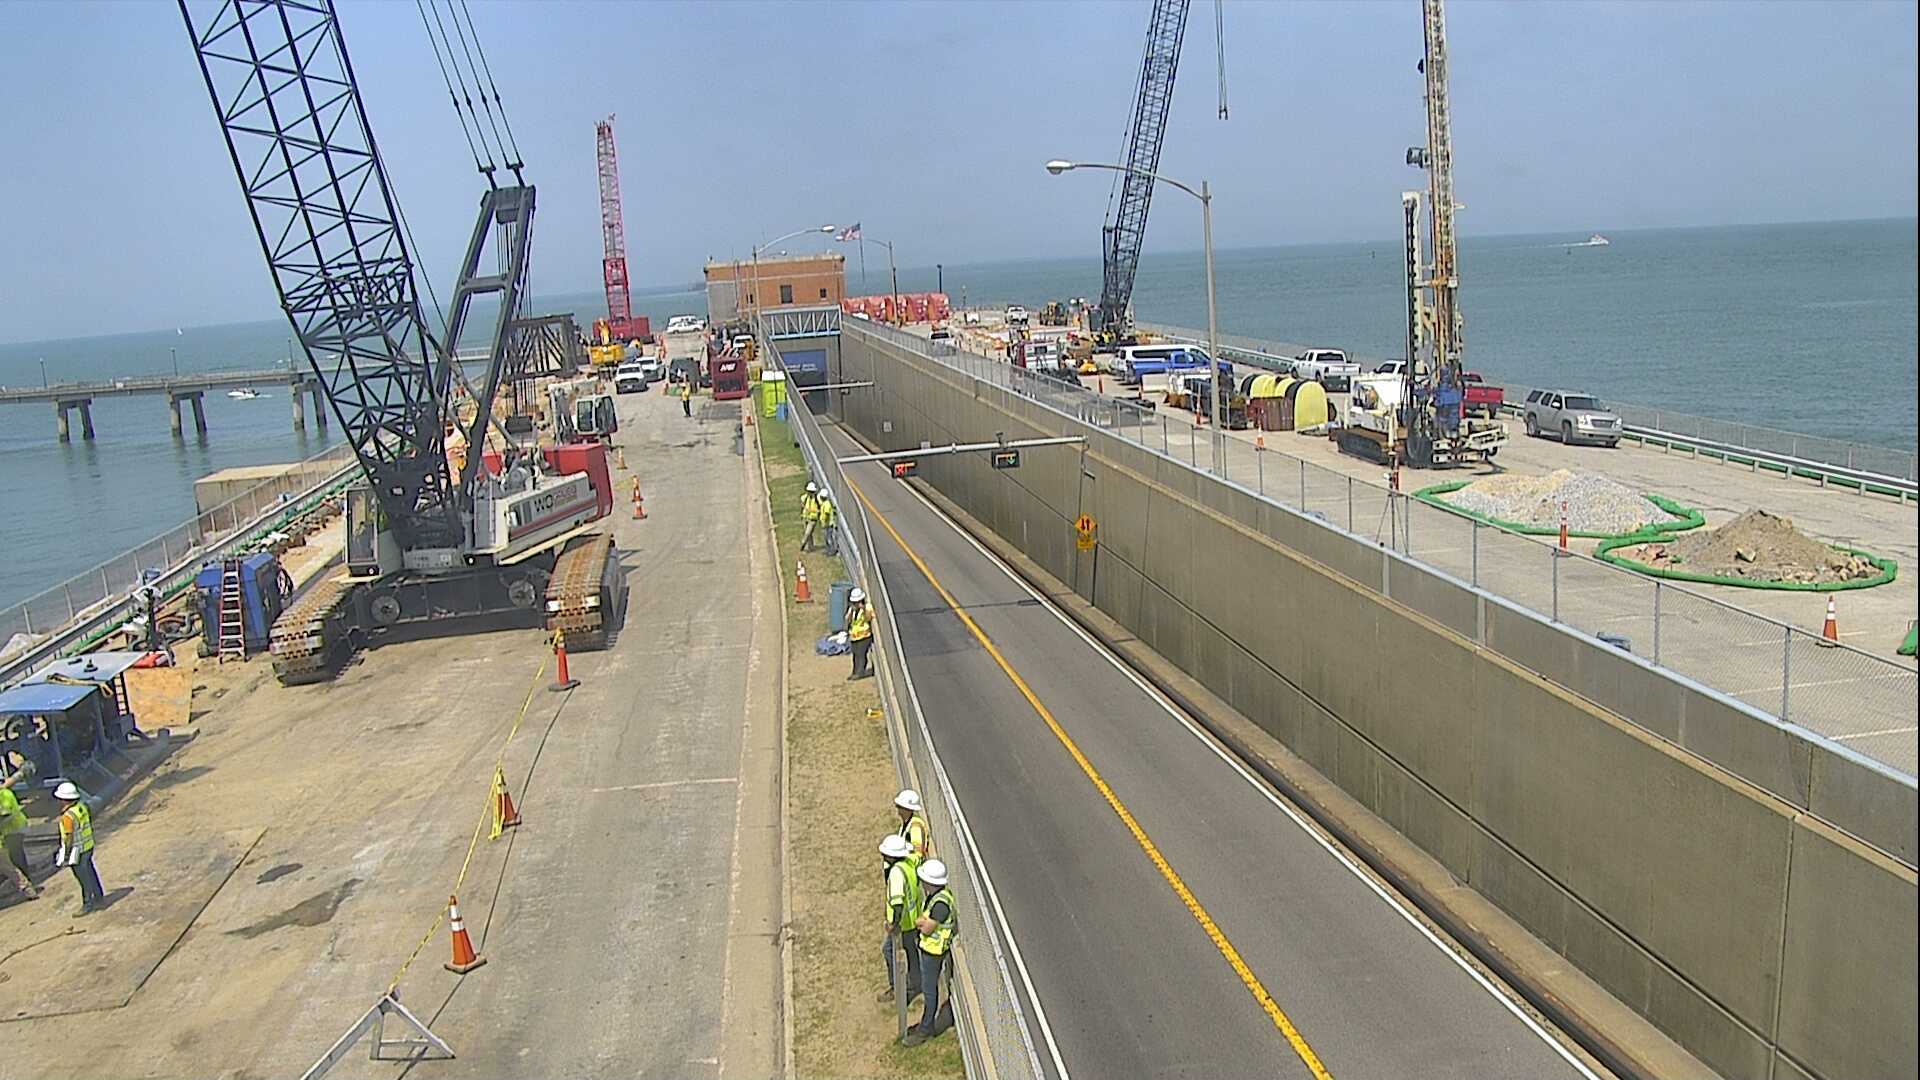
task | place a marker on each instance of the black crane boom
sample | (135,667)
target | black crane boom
(1165,28)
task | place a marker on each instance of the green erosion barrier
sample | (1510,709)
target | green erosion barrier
(1689,518)
(1888,569)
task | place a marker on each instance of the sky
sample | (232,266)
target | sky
(929,124)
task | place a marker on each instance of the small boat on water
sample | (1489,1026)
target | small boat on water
(245,393)
(1596,240)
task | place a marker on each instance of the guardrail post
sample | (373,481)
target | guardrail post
(1786,670)
(1303,484)
(1260,468)
(1553,557)
(1349,504)
(1474,573)
(1656,620)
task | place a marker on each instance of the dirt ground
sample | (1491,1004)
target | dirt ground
(841,783)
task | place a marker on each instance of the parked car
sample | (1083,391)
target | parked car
(1575,417)
(1390,367)
(939,333)
(1135,362)
(653,367)
(1481,398)
(1016,315)
(1330,366)
(630,378)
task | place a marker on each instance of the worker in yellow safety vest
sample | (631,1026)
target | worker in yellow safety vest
(686,396)
(938,923)
(913,822)
(13,834)
(829,519)
(859,632)
(76,845)
(809,515)
(901,866)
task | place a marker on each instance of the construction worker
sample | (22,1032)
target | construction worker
(76,845)
(828,517)
(900,866)
(859,632)
(913,823)
(809,515)
(937,924)
(686,397)
(13,826)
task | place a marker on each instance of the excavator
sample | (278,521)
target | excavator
(509,531)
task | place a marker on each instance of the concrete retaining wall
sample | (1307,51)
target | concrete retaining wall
(1763,939)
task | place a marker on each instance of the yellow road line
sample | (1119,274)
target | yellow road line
(1199,913)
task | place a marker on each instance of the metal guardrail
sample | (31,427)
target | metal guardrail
(1862,466)
(77,610)
(984,981)
(1863,706)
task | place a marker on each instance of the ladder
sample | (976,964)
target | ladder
(233,612)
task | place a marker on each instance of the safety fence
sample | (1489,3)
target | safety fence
(1724,439)
(75,598)
(1002,1045)
(1861,702)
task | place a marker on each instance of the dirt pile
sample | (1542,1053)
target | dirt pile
(1594,503)
(1757,546)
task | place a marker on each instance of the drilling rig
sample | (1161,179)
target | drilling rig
(1417,417)
(428,539)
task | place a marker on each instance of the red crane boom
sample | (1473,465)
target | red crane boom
(619,325)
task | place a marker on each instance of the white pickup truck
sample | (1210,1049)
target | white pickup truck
(1329,366)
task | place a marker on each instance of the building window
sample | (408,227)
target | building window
(786,294)
(823,294)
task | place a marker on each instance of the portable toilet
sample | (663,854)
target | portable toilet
(1310,405)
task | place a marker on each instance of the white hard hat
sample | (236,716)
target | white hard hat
(826,496)
(933,872)
(67,791)
(857,595)
(895,846)
(908,799)
(811,486)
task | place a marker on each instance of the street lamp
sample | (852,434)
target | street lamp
(1205,195)
(893,275)
(758,248)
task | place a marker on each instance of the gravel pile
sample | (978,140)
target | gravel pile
(1759,547)
(1594,503)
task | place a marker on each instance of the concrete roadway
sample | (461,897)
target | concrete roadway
(1129,977)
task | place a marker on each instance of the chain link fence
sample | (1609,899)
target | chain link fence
(1860,701)
(75,598)
(983,980)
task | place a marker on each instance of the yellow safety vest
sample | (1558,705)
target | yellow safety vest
(809,507)
(914,831)
(826,513)
(903,893)
(12,818)
(935,942)
(860,625)
(77,819)
(686,390)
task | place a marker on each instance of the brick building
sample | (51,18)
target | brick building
(781,281)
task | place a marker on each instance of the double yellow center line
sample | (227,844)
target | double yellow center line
(1199,913)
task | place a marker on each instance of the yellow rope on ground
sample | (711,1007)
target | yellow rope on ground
(473,844)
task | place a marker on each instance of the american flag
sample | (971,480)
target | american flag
(851,232)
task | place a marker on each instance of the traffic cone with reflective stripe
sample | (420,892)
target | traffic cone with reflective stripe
(563,680)
(639,502)
(505,814)
(1830,633)
(801,593)
(464,958)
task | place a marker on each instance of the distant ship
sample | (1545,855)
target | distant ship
(244,394)
(1596,240)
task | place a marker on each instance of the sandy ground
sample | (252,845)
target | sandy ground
(840,805)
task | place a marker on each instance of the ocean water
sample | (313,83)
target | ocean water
(1805,327)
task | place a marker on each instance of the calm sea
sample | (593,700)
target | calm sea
(1805,327)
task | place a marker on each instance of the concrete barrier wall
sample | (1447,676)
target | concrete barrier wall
(1764,940)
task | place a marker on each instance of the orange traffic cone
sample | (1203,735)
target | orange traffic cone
(464,958)
(562,680)
(505,814)
(1830,633)
(1563,524)
(801,593)
(639,502)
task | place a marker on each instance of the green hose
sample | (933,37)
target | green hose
(1688,517)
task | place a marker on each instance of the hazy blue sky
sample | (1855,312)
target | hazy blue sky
(929,124)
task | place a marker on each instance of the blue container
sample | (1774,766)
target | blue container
(837,606)
(260,589)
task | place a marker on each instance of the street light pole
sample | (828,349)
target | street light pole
(1205,195)
(176,362)
(758,248)
(893,273)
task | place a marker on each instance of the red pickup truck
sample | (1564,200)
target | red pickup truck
(1480,397)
